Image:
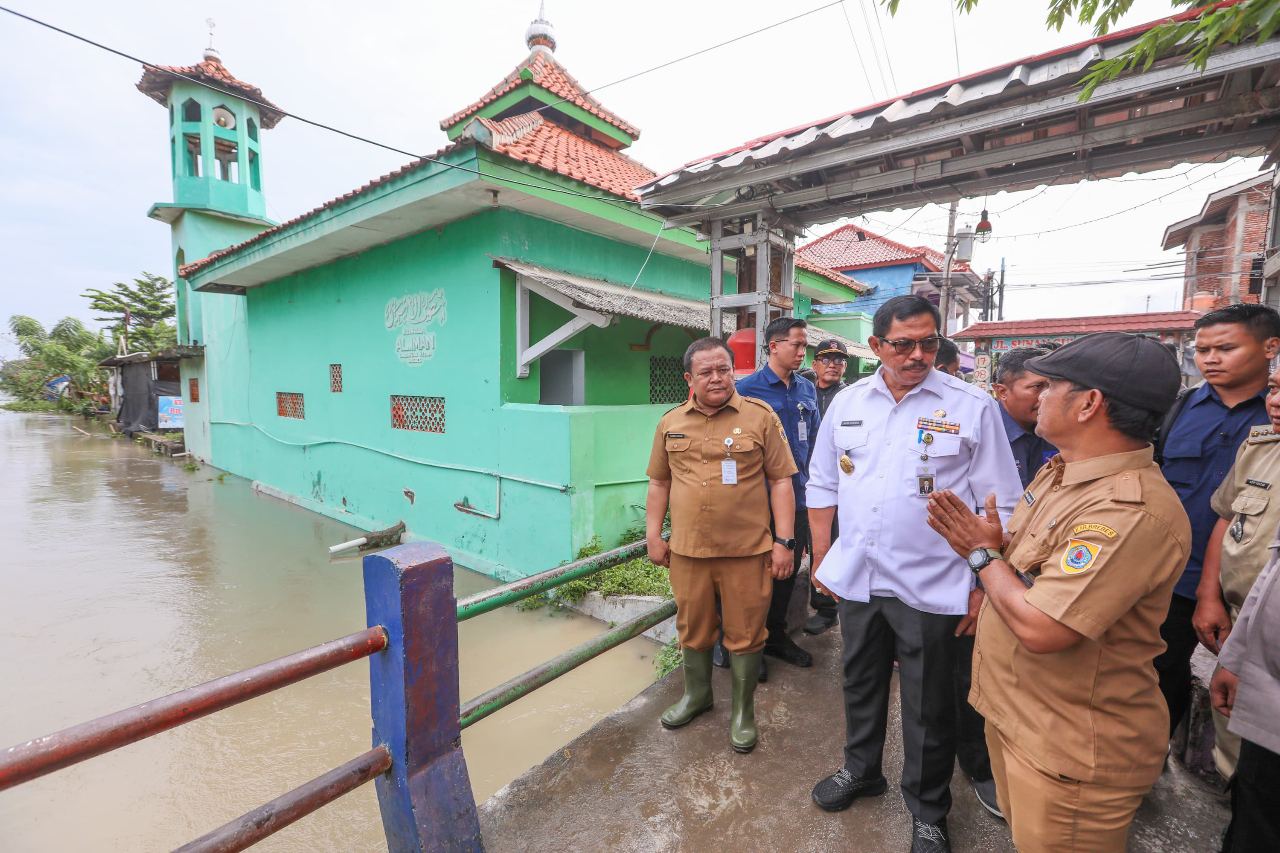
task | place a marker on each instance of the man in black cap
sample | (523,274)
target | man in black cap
(829,363)
(1075,595)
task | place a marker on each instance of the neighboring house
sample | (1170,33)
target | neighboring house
(479,343)
(1175,329)
(1224,245)
(891,269)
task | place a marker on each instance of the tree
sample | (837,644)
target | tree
(67,349)
(140,311)
(1198,36)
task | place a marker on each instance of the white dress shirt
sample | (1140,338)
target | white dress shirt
(886,547)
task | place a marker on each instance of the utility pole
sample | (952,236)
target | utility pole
(1001,309)
(945,300)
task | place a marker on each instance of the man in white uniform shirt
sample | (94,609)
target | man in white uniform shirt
(886,444)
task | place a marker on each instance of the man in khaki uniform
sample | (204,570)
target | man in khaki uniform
(711,460)
(1238,549)
(1063,674)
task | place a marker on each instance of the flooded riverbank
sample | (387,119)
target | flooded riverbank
(125,577)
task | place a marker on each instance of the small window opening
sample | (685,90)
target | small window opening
(252,127)
(191,155)
(227,156)
(289,404)
(193,390)
(255,177)
(190,110)
(335,378)
(419,414)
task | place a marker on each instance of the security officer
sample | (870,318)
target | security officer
(1247,515)
(712,457)
(1063,670)
(829,362)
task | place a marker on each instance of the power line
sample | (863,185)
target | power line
(885,45)
(875,52)
(955,42)
(857,52)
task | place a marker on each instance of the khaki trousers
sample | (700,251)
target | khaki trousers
(744,586)
(1049,813)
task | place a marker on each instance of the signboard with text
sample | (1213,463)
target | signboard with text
(170,413)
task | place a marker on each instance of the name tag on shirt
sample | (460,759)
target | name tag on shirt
(729,472)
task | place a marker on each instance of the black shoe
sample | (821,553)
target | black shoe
(818,623)
(785,649)
(929,837)
(985,791)
(838,791)
(719,656)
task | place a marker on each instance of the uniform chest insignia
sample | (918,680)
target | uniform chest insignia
(1237,528)
(675,435)
(1096,528)
(1079,556)
(846,464)
(1264,434)
(851,423)
(940,413)
(1029,498)
(737,430)
(937,425)
(1259,483)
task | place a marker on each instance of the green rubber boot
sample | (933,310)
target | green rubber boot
(697,690)
(742,719)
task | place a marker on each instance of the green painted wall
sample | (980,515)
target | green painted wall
(567,473)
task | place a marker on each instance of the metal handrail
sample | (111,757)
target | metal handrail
(35,758)
(500,596)
(522,685)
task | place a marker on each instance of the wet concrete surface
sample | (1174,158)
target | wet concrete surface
(630,785)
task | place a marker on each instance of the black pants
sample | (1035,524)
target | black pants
(925,647)
(822,603)
(1255,802)
(776,620)
(971,728)
(1174,665)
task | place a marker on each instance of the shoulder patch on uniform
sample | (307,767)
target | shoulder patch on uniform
(1096,528)
(1264,434)
(1128,487)
(1079,556)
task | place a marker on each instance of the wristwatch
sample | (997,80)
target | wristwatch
(983,557)
(789,544)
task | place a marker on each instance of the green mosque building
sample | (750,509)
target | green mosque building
(479,343)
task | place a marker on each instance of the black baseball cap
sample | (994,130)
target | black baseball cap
(831,346)
(1133,369)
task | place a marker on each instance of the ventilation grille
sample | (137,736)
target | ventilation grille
(420,414)
(335,378)
(193,390)
(666,380)
(289,405)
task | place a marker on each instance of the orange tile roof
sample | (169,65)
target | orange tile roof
(541,69)
(842,249)
(831,275)
(1157,321)
(531,138)
(158,79)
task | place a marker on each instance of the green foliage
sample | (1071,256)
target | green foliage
(30,406)
(68,348)
(1197,37)
(191,466)
(634,577)
(668,659)
(140,310)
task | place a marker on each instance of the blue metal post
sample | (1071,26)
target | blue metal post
(425,798)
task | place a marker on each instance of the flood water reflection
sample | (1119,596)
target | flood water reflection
(124,577)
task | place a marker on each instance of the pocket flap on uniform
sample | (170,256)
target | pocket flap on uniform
(1249,504)
(943,444)
(849,437)
(678,443)
(742,444)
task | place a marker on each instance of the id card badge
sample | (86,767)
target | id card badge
(729,472)
(924,480)
(803,429)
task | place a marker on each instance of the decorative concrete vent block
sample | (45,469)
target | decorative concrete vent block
(193,390)
(335,378)
(666,380)
(289,405)
(420,414)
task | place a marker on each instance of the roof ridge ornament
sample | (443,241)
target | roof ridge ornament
(540,33)
(209,52)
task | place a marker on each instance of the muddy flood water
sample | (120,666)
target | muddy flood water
(124,577)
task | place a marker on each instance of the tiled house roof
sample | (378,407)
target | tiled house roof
(852,247)
(158,79)
(1159,321)
(531,138)
(542,70)
(831,275)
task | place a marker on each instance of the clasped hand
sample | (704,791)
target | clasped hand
(964,530)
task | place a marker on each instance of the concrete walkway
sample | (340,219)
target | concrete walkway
(630,785)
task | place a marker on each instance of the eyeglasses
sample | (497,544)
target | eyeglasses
(831,359)
(906,346)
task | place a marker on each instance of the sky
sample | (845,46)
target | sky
(83,154)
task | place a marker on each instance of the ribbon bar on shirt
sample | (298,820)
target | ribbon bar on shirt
(932,425)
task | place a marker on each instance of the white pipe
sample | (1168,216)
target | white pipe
(347,546)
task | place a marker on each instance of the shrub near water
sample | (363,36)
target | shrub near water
(638,576)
